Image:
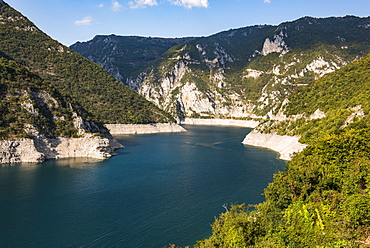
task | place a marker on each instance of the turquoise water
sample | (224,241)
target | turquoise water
(160,189)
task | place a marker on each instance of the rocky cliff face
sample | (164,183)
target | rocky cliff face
(122,56)
(210,77)
(144,128)
(40,149)
(38,123)
(249,72)
(91,141)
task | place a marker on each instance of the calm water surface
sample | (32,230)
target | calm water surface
(160,189)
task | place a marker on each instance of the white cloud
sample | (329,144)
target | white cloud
(267,1)
(101,5)
(116,6)
(142,3)
(86,21)
(191,3)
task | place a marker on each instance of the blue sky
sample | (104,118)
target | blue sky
(69,21)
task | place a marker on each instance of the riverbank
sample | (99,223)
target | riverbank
(283,144)
(115,129)
(220,122)
(40,148)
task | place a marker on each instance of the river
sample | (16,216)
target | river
(160,189)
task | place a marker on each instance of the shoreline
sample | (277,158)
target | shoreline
(39,149)
(117,129)
(15,151)
(285,145)
(220,122)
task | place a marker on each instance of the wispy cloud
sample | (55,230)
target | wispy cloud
(136,4)
(191,3)
(86,21)
(101,5)
(267,1)
(142,3)
(116,6)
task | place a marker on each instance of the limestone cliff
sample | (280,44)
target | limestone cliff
(144,128)
(39,123)
(220,122)
(283,144)
(40,149)
(246,72)
(92,141)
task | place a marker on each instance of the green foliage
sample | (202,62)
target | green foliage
(108,100)
(321,199)
(22,106)
(234,53)
(342,96)
(348,87)
(127,54)
(233,229)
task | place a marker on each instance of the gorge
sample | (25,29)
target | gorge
(302,86)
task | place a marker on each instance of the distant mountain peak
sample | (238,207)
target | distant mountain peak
(239,73)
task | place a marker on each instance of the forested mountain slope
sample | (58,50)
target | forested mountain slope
(37,122)
(122,56)
(341,98)
(249,72)
(30,106)
(321,199)
(108,100)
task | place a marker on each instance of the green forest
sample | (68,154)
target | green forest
(108,100)
(219,65)
(343,96)
(125,53)
(321,199)
(22,106)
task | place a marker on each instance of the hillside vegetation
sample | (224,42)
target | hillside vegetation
(122,56)
(29,105)
(321,199)
(240,73)
(108,100)
(342,96)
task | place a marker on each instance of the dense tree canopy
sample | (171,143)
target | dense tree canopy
(22,95)
(321,199)
(108,100)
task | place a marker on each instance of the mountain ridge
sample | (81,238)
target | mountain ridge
(53,100)
(135,52)
(249,72)
(72,74)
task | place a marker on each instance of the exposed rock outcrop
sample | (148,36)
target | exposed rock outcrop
(244,72)
(318,114)
(93,141)
(220,122)
(283,144)
(40,149)
(277,45)
(144,128)
(20,150)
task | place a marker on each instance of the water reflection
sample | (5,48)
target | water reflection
(76,163)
